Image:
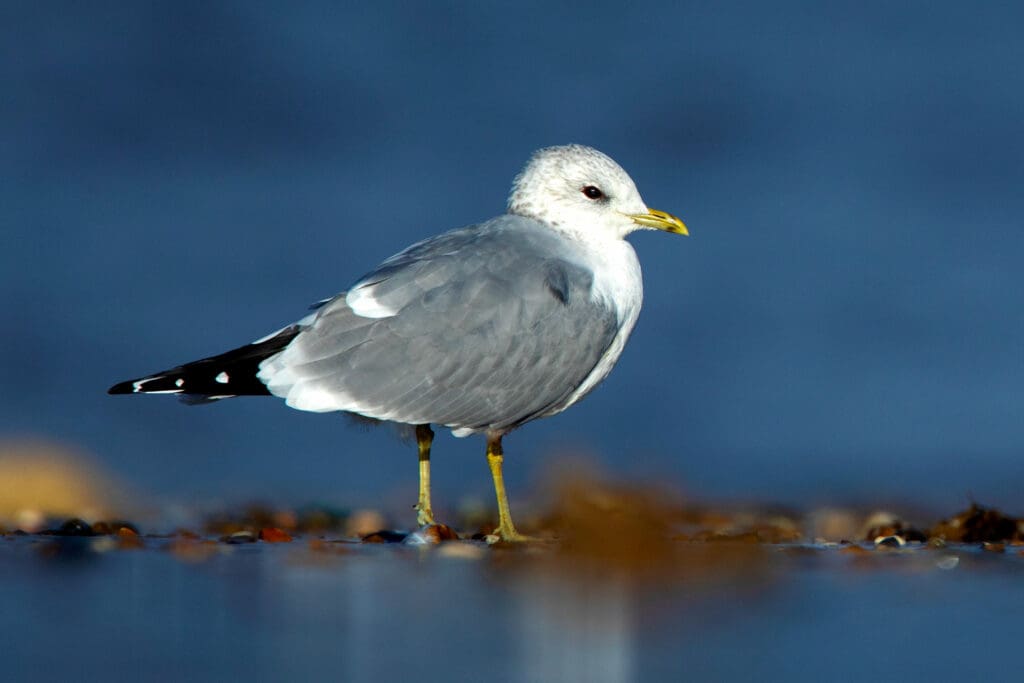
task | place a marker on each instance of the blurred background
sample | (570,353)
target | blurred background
(843,325)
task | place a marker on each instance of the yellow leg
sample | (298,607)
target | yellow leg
(495,457)
(424,438)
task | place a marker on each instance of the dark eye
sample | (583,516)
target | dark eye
(593,192)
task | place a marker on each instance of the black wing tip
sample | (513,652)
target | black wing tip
(122,388)
(233,373)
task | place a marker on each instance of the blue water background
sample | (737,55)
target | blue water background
(844,323)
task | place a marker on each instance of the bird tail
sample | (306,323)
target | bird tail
(227,375)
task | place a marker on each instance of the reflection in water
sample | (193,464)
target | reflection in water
(592,617)
(584,603)
(355,613)
(576,631)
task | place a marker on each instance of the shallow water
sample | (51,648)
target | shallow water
(82,609)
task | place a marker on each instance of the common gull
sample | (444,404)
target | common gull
(480,329)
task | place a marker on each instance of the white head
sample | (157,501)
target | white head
(577,188)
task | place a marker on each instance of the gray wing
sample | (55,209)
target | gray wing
(480,328)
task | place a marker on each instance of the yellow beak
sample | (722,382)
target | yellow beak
(660,220)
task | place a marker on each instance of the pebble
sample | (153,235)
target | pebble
(889,542)
(239,537)
(384,536)
(72,527)
(274,535)
(432,534)
(128,539)
(113,527)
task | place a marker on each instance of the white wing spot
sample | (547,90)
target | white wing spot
(222,378)
(139,384)
(362,303)
(179,382)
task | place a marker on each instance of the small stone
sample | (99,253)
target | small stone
(994,547)
(947,562)
(105,528)
(239,537)
(431,534)
(889,542)
(128,539)
(72,527)
(885,524)
(102,528)
(274,535)
(384,536)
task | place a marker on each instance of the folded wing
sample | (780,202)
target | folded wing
(482,328)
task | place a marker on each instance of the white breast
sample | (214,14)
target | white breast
(618,284)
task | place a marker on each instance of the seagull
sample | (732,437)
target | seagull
(480,329)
